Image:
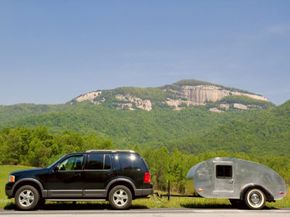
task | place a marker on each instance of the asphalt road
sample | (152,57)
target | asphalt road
(151,213)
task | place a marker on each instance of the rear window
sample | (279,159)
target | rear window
(129,161)
(98,161)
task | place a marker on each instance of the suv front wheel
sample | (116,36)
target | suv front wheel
(27,197)
(120,197)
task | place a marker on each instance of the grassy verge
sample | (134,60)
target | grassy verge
(152,202)
(179,202)
(4,172)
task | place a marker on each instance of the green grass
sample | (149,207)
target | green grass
(4,172)
(152,202)
(181,202)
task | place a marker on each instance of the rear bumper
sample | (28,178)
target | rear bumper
(143,192)
(147,192)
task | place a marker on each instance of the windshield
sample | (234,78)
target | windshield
(56,162)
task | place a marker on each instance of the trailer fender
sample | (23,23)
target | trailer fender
(269,196)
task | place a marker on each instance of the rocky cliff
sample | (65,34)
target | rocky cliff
(180,95)
(131,102)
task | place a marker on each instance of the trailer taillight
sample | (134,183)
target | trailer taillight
(200,189)
(281,192)
(147,177)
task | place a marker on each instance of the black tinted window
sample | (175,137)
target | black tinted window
(224,171)
(131,161)
(107,162)
(98,161)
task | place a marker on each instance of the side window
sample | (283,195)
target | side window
(72,163)
(131,161)
(107,162)
(224,171)
(98,161)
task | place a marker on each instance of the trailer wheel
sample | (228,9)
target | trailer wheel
(255,199)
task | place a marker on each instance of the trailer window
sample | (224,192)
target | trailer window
(224,171)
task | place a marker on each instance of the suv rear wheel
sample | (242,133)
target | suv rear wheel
(120,197)
(27,197)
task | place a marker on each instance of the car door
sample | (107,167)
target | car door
(97,174)
(66,179)
(224,179)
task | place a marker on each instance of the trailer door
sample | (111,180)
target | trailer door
(224,179)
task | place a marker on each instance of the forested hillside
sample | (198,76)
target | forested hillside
(38,147)
(192,130)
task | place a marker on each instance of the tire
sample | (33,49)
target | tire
(120,197)
(237,203)
(27,197)
(255,199)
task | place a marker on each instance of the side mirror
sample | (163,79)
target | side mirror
(55,169)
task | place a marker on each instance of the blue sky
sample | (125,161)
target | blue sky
(52,51)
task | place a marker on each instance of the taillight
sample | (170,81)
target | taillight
(281,192)
(147,177)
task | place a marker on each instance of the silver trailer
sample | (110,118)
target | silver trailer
(245,183)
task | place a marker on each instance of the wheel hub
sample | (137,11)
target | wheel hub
(26,198)
(255,198)
(120,197)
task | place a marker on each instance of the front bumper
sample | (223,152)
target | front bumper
(9,190)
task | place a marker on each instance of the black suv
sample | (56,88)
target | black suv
(116,176)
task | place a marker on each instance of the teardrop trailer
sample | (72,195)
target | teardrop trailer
(244,183)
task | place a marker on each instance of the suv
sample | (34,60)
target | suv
(116,176)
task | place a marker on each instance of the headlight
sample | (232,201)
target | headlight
(11,178)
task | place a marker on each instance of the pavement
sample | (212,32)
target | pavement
(164,212)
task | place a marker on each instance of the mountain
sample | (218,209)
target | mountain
(177,96)
(144,117)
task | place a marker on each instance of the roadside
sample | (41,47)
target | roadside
(152,213)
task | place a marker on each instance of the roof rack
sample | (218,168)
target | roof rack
(103,150)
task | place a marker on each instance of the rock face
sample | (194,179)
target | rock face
(240,106)
(202,94)
(129,102)
(179,104)
(215,110)
(224,106)
(90,96)
(199,95)
(178,96)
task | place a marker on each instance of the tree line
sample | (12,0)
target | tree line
(38,147)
